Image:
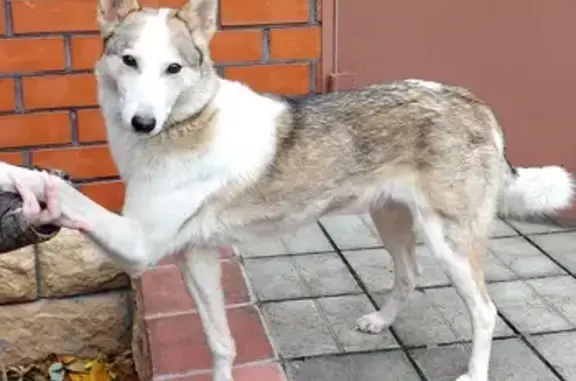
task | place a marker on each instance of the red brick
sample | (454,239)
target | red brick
(259,372)
(14,158)
(80,163)
(236,46)
(164,290)
(35,129)
(53,16)
(178,343)
(249,12)
(7,95)
(91,126)
(59,91)
(295,43)
(32,54)
(279,79)
(85,51)
(2,19)
(109,194)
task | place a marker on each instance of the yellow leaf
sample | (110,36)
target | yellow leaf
(66,359)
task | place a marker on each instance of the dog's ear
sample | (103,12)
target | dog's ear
(110,12)
(200,15)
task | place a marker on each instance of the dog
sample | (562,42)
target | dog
(210,162)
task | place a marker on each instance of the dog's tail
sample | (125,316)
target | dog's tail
(535,190)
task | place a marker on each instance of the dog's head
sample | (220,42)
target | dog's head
(156,66)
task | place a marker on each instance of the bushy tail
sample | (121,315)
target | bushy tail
(535,191)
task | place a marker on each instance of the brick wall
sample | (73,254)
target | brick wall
(48,111)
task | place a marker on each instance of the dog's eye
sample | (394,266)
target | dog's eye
(130,61)
(173,68)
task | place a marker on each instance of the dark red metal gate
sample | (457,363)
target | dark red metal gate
(518,55)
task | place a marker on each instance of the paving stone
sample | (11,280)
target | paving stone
(522,258)
(560,293)
(436,316)
(351,231)
(275,278)
(392,365)
(300,276)
(559,350)
(376,269)
(511,360)
(341,314)
(298,328)
(536,226)
(561,247)
(500,228)
(325,274)
(525,309)
(495,270)
(308,239)
(565,223)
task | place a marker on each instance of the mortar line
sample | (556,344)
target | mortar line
(74,132)
(556,262)
(524,338)
(67,52)
(266,44)
(8,18)
(18,95)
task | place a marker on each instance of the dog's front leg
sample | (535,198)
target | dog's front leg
(201,271)
(121,238)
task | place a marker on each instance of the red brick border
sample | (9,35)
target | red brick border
(169,340)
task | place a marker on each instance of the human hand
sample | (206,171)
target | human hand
(52,213)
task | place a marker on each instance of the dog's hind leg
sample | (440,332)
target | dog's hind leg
(201,271)
(395,227)
(459,248)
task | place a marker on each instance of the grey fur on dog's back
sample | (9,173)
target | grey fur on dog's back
(336,143)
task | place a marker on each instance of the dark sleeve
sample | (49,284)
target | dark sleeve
(15,231)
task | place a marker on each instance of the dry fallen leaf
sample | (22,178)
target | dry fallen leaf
(119,367)
(92,370)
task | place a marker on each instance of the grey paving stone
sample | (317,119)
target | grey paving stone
(275,278)
(495,270)
(522,258)
(351,231)
(341,314)
(536,226)
(382,366)
(525,309)
(560,293)
(561,247)
(298,328)
(437,316)
(511,360)
(376,269)
(559,350)
(500,228)
(308,239)
(309,275)
(565,223)
(325,274)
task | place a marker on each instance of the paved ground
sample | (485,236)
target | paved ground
(312,287)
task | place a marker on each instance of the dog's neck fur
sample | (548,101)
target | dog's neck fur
(234,135)
(193,103)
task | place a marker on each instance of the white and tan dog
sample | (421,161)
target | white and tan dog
(209,162)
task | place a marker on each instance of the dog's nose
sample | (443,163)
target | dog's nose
(143,124)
